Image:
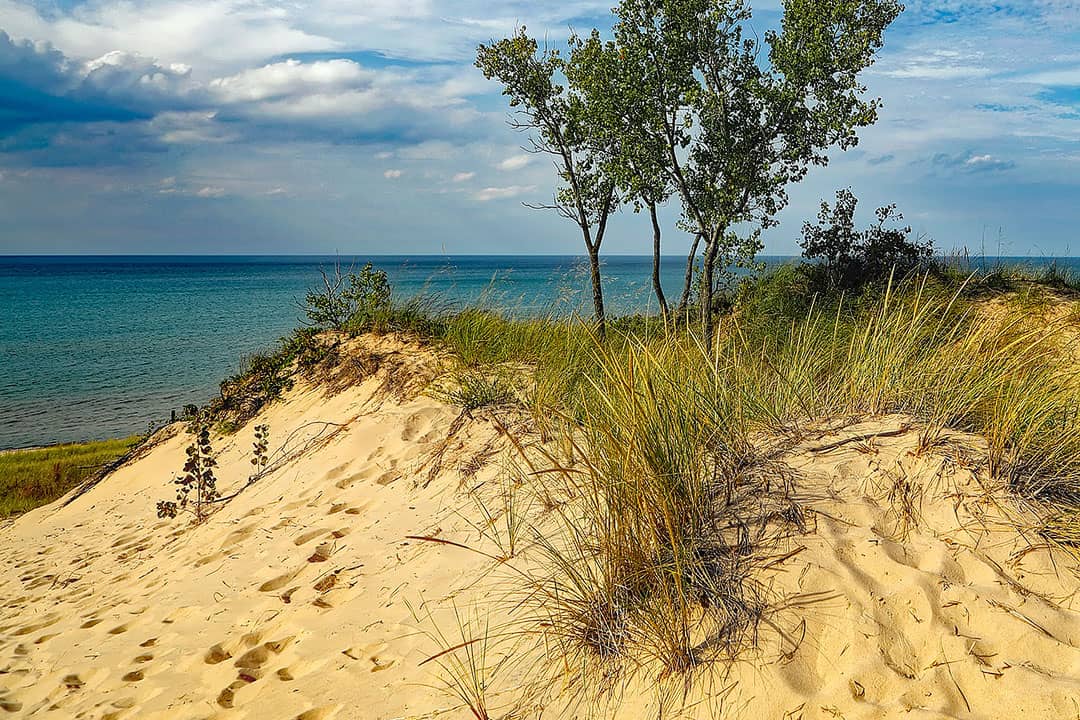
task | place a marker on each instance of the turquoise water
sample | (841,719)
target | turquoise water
(96,347)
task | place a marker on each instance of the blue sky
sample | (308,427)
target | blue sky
(263,126)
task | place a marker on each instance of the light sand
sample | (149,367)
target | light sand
(293,600)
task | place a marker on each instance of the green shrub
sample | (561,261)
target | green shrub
(355,302)
(853,258)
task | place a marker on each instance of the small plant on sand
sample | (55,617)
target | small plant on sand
(502,526)
(465,672)
(196,489)
(475,390)
(259,452)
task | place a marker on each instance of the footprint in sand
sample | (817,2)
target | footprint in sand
(279,582)
(307,537)
(299,669)
(347,482)
(327,583)
(375,656)
(216,654)
(72,682)
(207,559)
(419,424)
(250,666)
(388,477)
(322,553)
(237,536)
(337,471)
(27,629)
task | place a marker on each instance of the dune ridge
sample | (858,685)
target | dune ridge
(911,590)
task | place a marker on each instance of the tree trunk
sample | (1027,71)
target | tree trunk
(597,291)
(657,287)
(712,248)
(689,279)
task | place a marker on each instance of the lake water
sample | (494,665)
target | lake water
(96,347)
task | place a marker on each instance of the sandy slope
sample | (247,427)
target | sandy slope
(299,597)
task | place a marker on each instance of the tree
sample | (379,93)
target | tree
(853,258)
(609,82)
(737,131)
(556,118)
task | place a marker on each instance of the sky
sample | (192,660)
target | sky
(259,126)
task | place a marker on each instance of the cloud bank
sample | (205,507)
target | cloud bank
(324,106)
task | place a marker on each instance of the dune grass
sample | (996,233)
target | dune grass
(35,477)
(663,499)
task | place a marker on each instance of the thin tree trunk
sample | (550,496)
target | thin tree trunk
(593,246)
(597,291)
(657,287)
(689,279)
(712,248)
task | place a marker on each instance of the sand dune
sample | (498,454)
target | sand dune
(910,593)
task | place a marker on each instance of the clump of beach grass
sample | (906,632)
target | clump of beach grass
(649,560)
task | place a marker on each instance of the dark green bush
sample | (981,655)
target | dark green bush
(855,258)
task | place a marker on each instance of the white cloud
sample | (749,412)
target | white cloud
(227,35)
(937,65)
(430,150)
(463,177)
(206,34)
(514,162)
(932,71)
(392,174)
(191,128)
(498,193)
(1060,76)
(210,191)
(291,78)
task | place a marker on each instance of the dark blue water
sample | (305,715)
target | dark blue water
(95,347)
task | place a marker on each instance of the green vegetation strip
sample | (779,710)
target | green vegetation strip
(35,477)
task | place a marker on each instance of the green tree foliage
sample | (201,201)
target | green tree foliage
(852,257)
(726,120)
(633,158)
(557,118)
